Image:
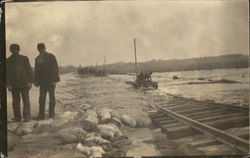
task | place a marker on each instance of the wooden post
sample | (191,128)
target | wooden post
(135,57)
(105,65)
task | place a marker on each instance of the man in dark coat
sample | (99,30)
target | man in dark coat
(46,76)
(19,81)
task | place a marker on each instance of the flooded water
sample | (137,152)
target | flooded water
(229,93)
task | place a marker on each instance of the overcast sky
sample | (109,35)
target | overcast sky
(83,32)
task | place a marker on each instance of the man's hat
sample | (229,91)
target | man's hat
(41,46)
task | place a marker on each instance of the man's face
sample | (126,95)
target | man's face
(41,49)
(14,51)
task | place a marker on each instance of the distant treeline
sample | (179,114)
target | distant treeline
(203,63)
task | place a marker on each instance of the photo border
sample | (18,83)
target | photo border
(3,92)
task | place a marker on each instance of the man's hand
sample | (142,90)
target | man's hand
(29,85)
(10,88)
(53,83)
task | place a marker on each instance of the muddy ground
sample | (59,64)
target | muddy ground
(74,96)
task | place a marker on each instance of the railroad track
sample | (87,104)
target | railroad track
(203,125)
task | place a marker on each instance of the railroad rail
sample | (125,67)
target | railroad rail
(180,117)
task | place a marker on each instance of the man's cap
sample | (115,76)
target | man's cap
(14,47)
(41,46)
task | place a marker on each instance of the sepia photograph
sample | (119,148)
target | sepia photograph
(127,78)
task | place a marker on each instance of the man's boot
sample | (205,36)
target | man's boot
(16,119)
(41,115)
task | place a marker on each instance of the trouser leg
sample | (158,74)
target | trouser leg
(52,101)
(26,103)
(42,99)
(16,104)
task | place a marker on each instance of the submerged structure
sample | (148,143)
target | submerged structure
(143,79)
(91,71)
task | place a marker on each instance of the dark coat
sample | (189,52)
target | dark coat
(46,69)
(19,71)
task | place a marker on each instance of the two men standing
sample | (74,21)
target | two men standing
(20,78)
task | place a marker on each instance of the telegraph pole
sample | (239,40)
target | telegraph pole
(105,65)
(135,57)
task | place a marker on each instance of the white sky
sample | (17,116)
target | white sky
(83,32)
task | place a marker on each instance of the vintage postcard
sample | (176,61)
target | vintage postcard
(127,78)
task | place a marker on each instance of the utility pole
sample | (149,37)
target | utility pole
(135,57)
(105,65)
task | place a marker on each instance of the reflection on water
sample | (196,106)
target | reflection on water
(230,93)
